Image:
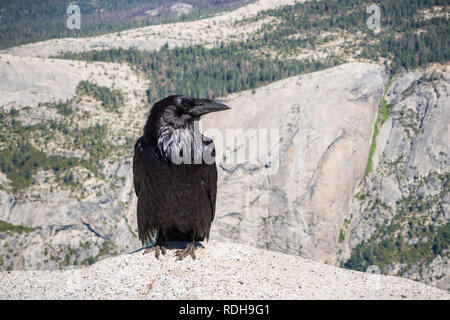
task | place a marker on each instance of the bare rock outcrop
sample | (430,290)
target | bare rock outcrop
(221,271)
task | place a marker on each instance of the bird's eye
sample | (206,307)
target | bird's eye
(186,104)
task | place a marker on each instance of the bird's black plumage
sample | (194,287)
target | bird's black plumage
(175,199)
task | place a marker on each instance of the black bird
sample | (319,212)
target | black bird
(175,174)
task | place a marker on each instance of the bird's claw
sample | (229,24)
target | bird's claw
(189,251)
(158,250)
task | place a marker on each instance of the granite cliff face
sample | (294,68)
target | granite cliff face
(294,202)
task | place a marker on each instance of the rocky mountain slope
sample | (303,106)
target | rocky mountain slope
(403,202)
(209,31)
(76,221)
(222,271)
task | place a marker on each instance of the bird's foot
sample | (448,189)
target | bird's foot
(189,251)
(158,250)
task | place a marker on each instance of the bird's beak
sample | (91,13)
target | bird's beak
(203,106)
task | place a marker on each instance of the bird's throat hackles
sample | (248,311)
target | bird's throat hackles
(185,145)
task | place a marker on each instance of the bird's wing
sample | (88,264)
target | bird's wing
(211,176)
(213,192)
(148,179)
(137,164)
(212,188)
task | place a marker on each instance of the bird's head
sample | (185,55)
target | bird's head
(179,111)
(185,108)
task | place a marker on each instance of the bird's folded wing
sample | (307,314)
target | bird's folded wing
(212,190)
(137,165)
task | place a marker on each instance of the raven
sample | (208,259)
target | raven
(175,174)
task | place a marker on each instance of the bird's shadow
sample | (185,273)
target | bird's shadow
(172,245)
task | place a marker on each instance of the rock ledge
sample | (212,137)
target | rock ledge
(221,271)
